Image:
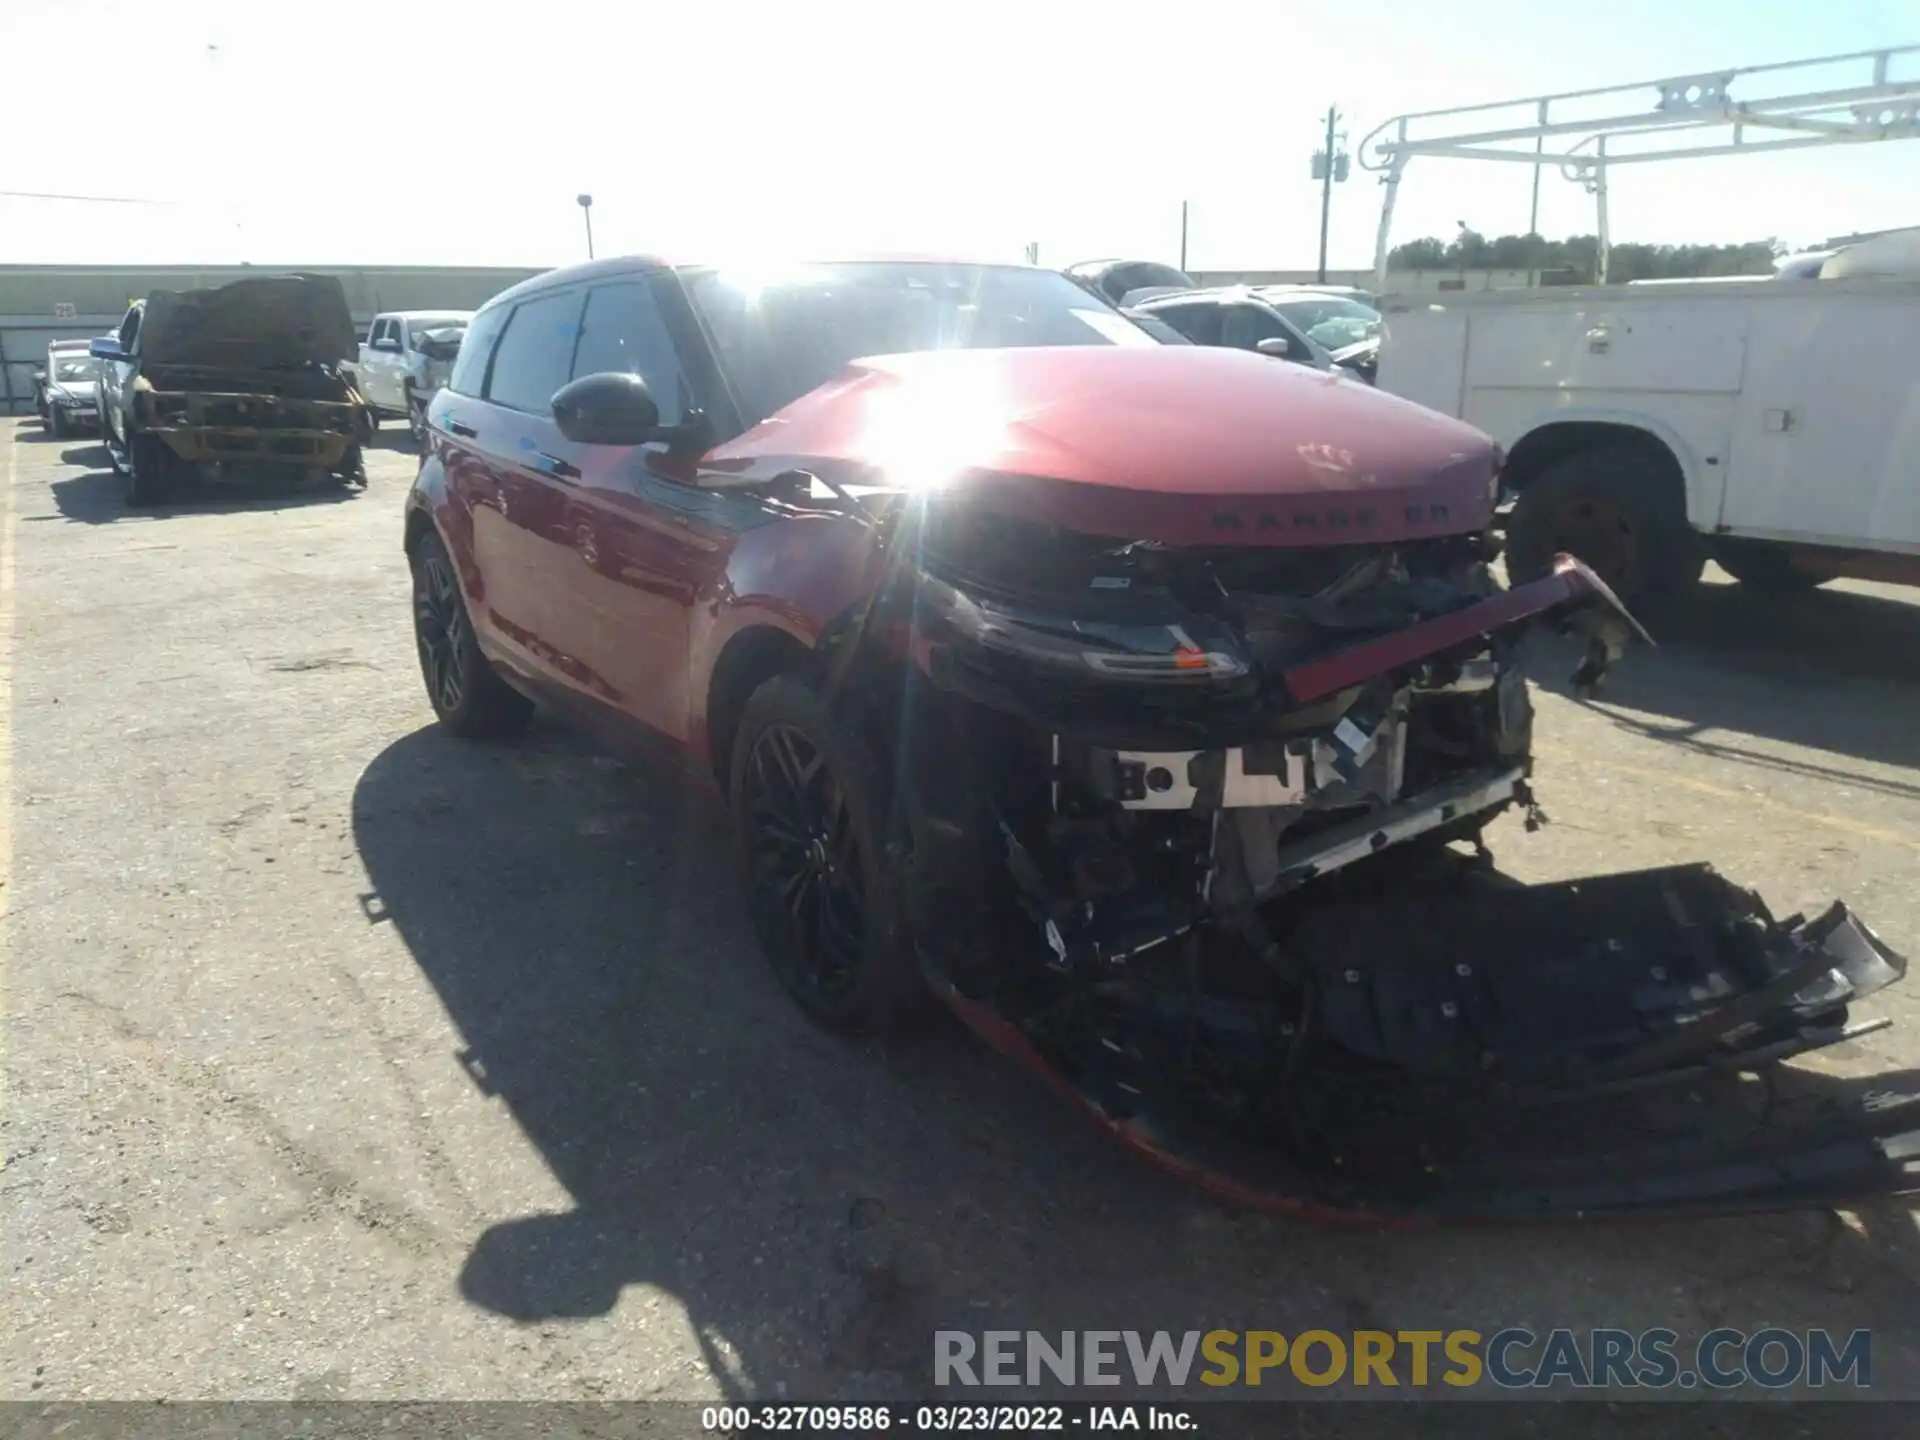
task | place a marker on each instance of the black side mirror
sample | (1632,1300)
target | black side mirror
(607,409)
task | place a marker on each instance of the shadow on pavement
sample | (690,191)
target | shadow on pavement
(1832,670)
(394,435)
(89,453)
(99,497)
(820,1207)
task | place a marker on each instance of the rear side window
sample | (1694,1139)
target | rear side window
(624,331)
(535,357)
(470,369)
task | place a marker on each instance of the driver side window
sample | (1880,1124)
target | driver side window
(1247,325)
(623,331)
(130,330)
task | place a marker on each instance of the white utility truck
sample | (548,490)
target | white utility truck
(1773,426)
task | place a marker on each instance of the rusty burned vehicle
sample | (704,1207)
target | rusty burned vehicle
(1144,703)
(209,384)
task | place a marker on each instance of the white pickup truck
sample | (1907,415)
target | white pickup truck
(1772,426)
(404,359)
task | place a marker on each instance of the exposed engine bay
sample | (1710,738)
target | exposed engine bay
(1197,832)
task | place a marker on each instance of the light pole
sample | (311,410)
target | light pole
(586,211)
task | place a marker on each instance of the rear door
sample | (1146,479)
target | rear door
(494,443)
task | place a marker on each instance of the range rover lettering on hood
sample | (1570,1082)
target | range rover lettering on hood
(1178,445)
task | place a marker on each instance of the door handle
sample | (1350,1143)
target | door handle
(464,430)
(558,468)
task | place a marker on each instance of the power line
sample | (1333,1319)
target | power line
(86,199)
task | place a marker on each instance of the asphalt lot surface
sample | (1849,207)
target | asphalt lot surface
(344,1060)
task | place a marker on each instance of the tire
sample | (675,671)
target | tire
(809,816)
(352,469)
(57,423)
(467,694)
(151,471)
(1619,509)
(416,418)
(1766,568)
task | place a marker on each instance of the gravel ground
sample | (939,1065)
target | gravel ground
(345,1061)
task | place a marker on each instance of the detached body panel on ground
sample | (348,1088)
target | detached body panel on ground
(1137,700)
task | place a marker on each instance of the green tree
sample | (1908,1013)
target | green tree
(1575,260)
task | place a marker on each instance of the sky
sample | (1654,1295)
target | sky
(424,133)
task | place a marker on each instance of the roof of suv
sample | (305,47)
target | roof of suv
(1218,294)
(631,264)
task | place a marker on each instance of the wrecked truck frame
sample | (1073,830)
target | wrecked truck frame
(245,374)
(1147,705)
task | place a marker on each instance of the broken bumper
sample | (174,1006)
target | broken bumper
(247,427)
(291,447)
(1609,1046)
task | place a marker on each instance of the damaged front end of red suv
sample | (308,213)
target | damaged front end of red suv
(1200,690)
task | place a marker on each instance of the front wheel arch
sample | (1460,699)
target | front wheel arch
(749,659)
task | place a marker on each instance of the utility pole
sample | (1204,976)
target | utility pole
(1183,236)
(1329,165)
(586,210)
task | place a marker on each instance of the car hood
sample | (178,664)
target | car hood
(82,388)
(267,322)
(1182,445)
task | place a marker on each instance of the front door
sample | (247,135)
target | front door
(116,376)
(377,374)
(646,547)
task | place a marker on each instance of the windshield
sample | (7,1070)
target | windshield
(780,339)
(1330,320)
(74,365)
(421,325)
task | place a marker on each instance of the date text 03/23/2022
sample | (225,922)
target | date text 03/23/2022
(944,1419)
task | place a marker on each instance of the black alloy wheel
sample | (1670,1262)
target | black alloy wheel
(808,809)
(468,697)
(440,628)
(804,864)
